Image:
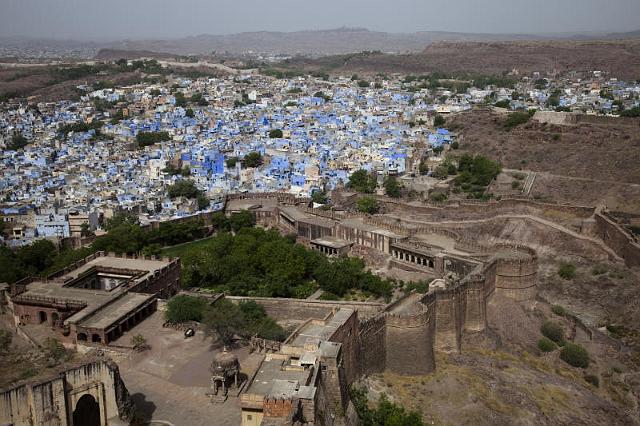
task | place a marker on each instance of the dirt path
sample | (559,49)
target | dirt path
(536,219)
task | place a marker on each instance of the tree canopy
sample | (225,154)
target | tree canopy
(367,205)
(362,181)
(386,413)
(150,138)
(275,134)
(391,187)
(255,262)
(252,159)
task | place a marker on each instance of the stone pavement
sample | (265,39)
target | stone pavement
(169,382)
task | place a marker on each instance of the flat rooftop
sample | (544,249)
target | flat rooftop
(146,265)
(333,242)
(316,331)
(273,380)
(359,224)
(251,204)
(102,307)
(110,313)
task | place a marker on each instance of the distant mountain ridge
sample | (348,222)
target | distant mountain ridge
(331,42)
(313,43)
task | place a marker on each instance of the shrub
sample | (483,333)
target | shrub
(515,119)
(515,184)
(575,355)
(558,310)
(438,121)
(5,340)
(553,331)
(367,205)
(139,343)
(599,269)
(53,348)
(546,345)
(438,197)
(590,378)
(567,271)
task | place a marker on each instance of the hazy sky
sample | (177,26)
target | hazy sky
(119,19)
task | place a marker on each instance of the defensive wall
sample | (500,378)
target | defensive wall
(283,309)
(573,118)
(618,239)
(86,392)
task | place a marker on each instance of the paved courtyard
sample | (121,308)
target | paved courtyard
(169,382)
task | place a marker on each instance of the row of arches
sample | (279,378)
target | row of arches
(413,258)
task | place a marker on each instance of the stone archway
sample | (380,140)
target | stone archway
(42,317)
(87,412)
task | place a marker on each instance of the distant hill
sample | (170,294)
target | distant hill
(330,42)
(621,58)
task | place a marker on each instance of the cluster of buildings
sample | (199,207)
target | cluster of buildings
(310,133)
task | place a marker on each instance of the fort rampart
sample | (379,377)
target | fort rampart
(618,239)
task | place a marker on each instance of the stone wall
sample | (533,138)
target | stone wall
(52,402)
(372,345)
(618,239)
(409,343)
(516,277)
(347,336)
(301,309)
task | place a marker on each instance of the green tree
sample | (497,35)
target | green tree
(391,187)
(242,219)
(275,134)
(439,121)
(18,141)
(386,413)
(203,202)
(231,162)
(189,113)
(198,99)
(150,138)
(225,321)
(367,205)
(184,308)
(319,197)
(121,218)
(252,159)
(37,256)
(183,188)
(423,168)
(85,230)
(362,181)
(181,101)
(151,250)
